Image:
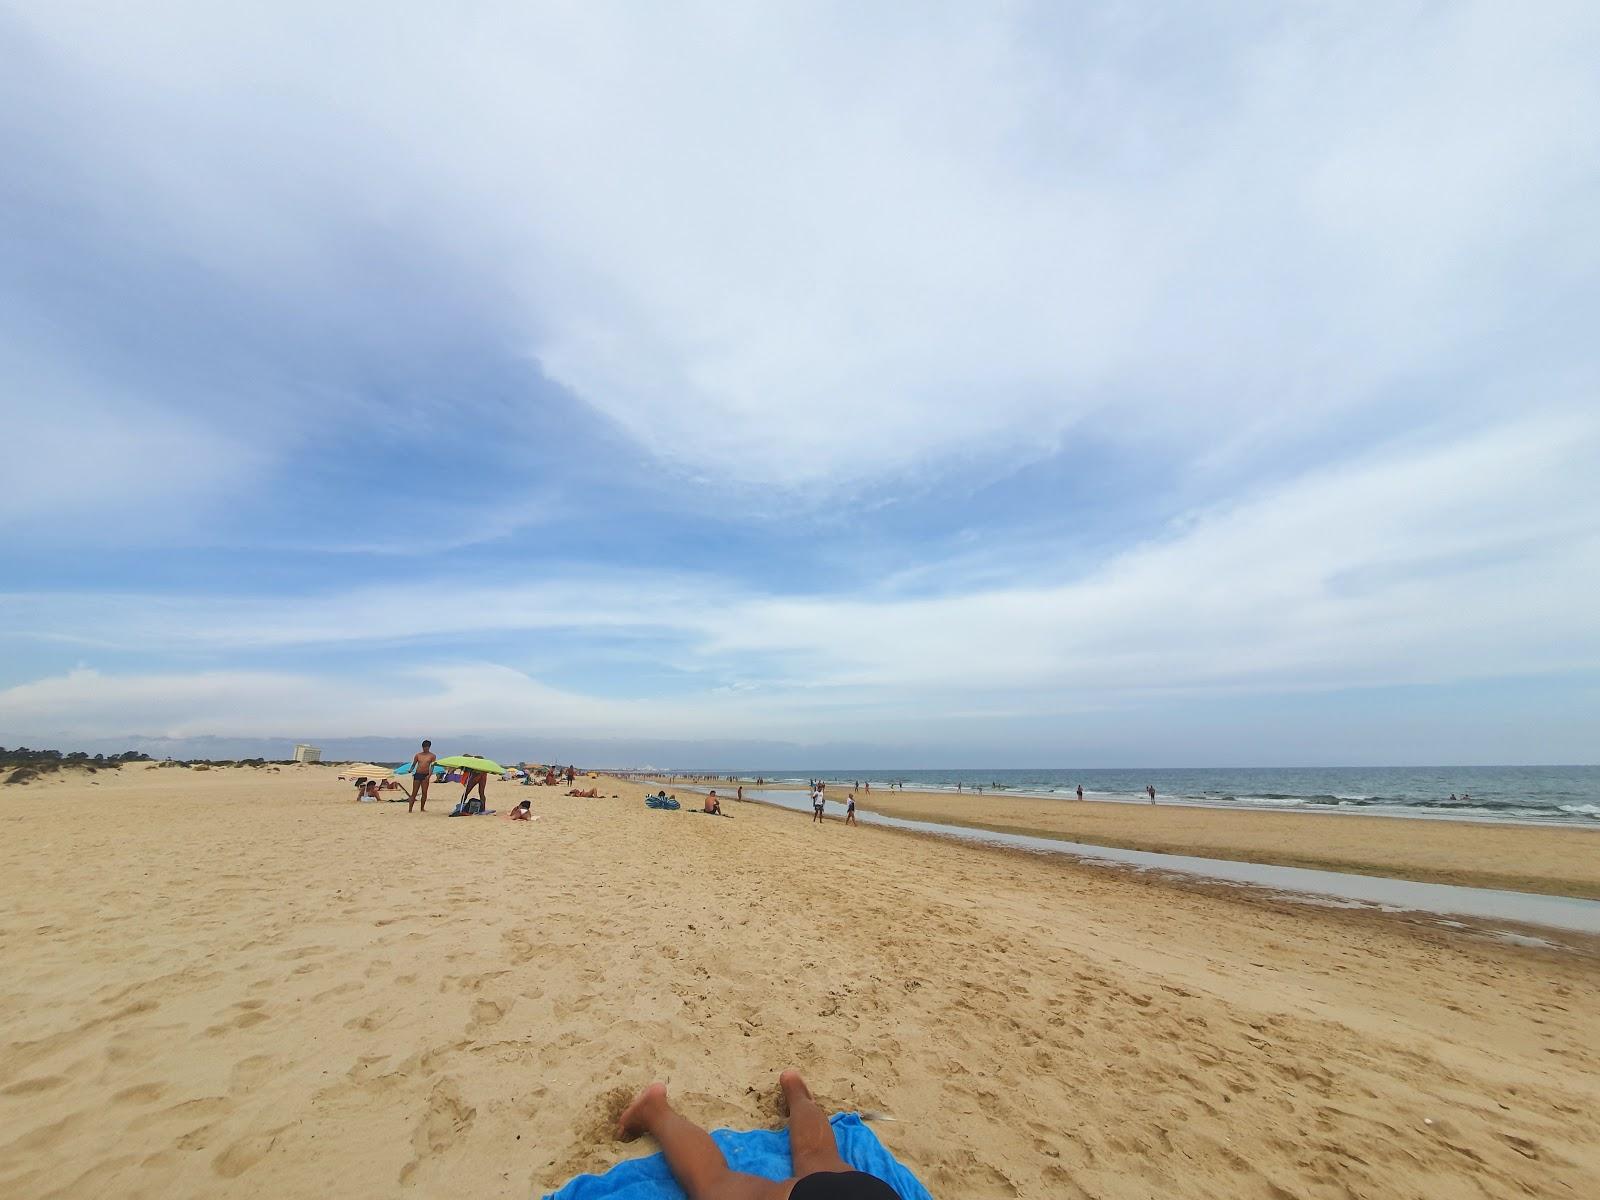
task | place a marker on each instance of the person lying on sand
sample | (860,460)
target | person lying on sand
(713,805)
(522,812)
(700,1169)
(585,793)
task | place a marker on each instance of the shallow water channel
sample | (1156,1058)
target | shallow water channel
(1295,883)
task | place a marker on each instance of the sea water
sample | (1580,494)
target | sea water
(1561,795)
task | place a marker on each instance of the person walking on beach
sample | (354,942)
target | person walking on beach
(816,807)
(421,774)
(702,1171)
(1150,790)
(850,810)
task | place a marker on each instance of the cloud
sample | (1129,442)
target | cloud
(1419,565)
(818,244)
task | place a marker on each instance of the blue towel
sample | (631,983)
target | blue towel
(661,802)
(763,1152)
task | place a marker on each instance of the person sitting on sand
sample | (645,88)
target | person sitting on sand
(713,805)
(370,792)
(522,812)
(702,1172)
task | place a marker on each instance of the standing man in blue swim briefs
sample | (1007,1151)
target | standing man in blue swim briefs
(421,774)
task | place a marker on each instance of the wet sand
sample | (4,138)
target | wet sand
(240,983)
(1523,858)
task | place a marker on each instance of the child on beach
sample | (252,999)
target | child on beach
(700,1169)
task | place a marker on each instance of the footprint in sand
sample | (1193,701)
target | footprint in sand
(140,1093)
(251,1072)
(486,1013)
(27,1087)
(238,1157)
(372,1021)
(343,989)
(244,1020)
(444,1124)
(199,1108)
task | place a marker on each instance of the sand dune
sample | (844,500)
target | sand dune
(242,984)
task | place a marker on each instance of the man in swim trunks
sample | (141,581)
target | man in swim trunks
(421,774)
(816,807)
(700,1169)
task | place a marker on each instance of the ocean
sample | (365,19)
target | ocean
(1547,795)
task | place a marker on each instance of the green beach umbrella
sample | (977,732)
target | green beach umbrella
(473,764)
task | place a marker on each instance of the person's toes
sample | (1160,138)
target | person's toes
(792,1084)
(631,1123)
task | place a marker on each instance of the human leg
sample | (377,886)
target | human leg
(696,1163)
(811,1142)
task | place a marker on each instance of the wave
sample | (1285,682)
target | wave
(1291,800)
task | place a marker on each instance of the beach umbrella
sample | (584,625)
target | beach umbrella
(470,763)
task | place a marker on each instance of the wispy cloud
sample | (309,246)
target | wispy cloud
(1453,563)
(827,246)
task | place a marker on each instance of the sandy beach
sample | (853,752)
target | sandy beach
(240,983)
(1522,858)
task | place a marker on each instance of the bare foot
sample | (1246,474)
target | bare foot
(632,1122)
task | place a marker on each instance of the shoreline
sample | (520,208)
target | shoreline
(1500,855)
(1394,812)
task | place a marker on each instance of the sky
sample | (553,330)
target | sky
(854,385)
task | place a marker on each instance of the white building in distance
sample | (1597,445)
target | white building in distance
(307,754)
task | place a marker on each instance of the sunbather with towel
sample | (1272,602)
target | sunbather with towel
(700,1169)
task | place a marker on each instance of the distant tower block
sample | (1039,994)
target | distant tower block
(305,753)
